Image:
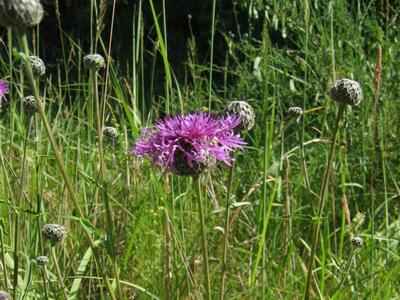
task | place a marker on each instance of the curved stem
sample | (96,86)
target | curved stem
(203,239)
(321,204)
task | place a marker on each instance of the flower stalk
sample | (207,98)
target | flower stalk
(206,267)
(322,199)
(225,243)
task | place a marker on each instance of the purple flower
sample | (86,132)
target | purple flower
(3,90)
(187,145)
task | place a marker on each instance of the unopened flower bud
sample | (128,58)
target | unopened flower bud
(243,110)
(357,241)
(37,64)
(110,132)
(30,105)
(295,112)
(93,61)
(55,233)
(42,260)
(347,91)
(20,13)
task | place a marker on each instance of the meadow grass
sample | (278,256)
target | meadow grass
(134,231)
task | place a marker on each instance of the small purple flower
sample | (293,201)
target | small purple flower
(187,145)
(3,90)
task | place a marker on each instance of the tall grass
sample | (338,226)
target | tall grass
(133,226)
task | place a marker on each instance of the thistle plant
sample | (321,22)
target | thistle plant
(356,243)
(296,113)
(42,262)
(94,62)
(245,112)
(21,14)
(187,146)
(345,92)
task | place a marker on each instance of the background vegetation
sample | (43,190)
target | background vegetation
(164,59)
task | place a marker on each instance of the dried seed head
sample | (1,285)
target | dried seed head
(55,233)
(30,105)
(357,241)
(38,67)
(42,260)
(347,91)
(243,110)
(20,13)
(110,132)
(93,61)
(295,112)
(4,295)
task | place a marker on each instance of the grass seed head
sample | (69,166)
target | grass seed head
(347,91)
(20,13)
(357,241)
(93,62)
(55,233)
(42,260)
(243,110)
(30,105)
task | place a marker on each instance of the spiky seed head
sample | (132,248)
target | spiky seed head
(30,105)
(110,132)
(295,112)
(55,233)
(4,295)
(357,241)
(347,91)
(38,67)
(243,110)
(93,61)
(20,13)
(42,260)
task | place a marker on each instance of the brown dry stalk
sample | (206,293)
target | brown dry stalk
(346,210)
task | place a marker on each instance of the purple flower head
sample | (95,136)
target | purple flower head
(187,145)
(3,90)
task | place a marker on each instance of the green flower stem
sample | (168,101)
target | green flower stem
(93,75)
(28,70)
(203,239)
(58,273)
(339,288)
(44,279)
(321,204)
(16,220)
(225,243)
